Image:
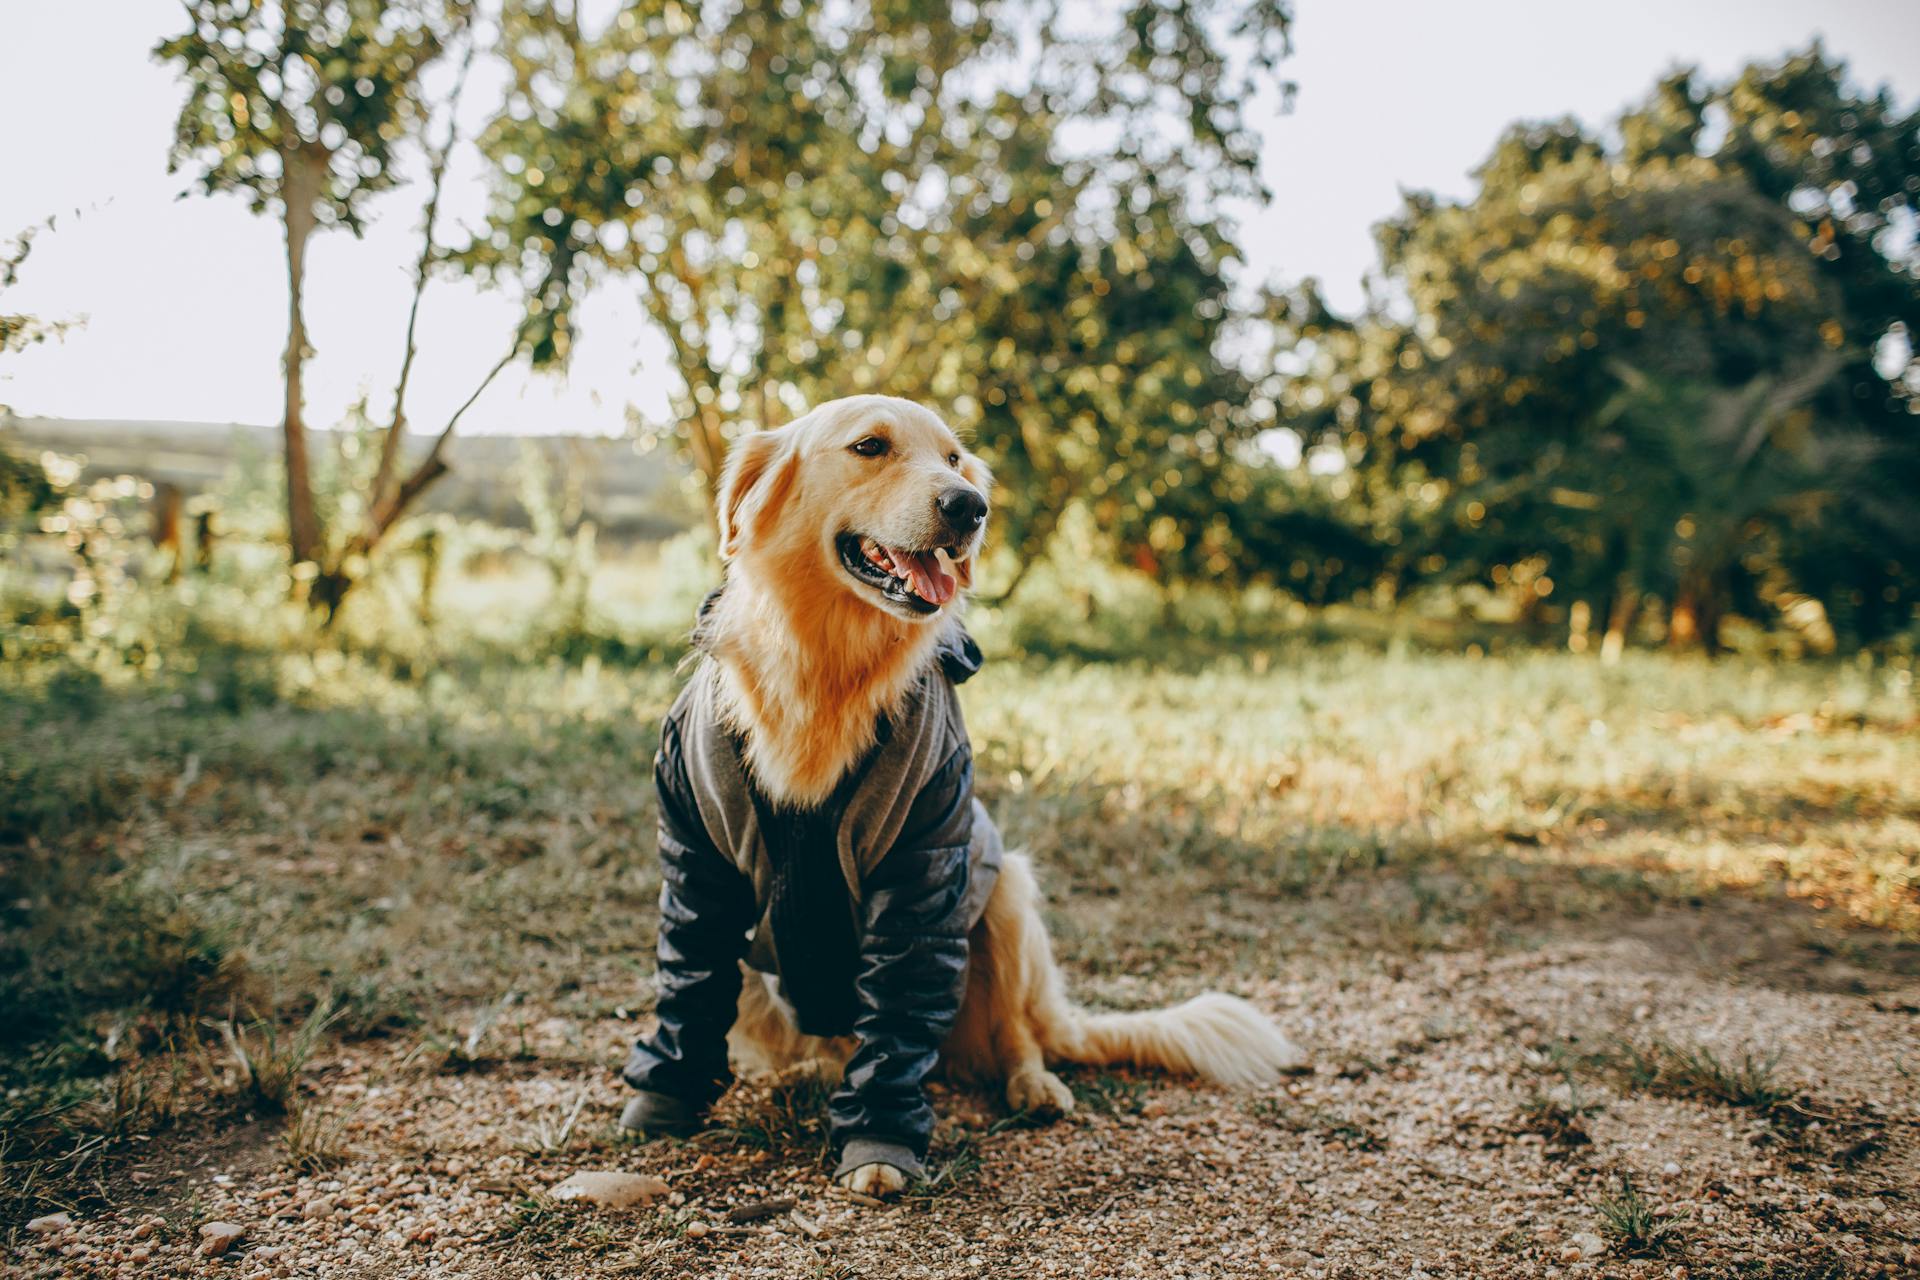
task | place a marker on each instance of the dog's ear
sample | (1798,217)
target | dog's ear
(758,472)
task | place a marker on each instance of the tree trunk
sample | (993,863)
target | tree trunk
(1626,601)
(167,505)
(708,444)
(1697,610)
(204,537)
(299,188)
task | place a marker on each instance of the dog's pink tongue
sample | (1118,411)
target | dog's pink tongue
(931,582)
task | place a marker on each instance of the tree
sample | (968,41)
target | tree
(24,485)
(19,331)
(1659,365)
(1007,209)
(304,107)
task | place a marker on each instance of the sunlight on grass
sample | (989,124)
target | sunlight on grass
(404,834)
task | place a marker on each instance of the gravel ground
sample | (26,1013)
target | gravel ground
(1470,1114)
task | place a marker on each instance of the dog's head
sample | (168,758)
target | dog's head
(874,495)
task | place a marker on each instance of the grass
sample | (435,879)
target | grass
(269,1064)
(1697,1072)
(1839,1133)
(1563,1123)
(1632,1225)
(315,1140)
(192,845)
(1107,1093)
(788,1116)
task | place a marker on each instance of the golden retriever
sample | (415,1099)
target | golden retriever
(838,587)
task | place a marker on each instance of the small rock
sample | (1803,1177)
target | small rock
(319,1207)
(51,1223)
(218,1237)
(1671,1169)
(1570,1254)
(1296,1258)
(694,1230)
(142,1231)
(1589,1245)
(610,1190)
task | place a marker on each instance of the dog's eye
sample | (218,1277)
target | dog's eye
(869,447)
(953,459)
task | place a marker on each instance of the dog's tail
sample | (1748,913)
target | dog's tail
(1216,1037)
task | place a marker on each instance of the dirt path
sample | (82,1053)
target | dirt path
(1469,1115)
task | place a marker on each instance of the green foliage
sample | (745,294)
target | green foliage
(301,104)
(1672,363)
(1650,365)
(25,490)
(1005,209)
(17,332)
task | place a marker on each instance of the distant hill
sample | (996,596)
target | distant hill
(632,497)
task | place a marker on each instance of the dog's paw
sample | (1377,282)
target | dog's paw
(1040,1094)
(882,1181)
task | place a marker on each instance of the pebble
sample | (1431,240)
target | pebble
(51,1223)
(609,1189)
(319,1207)
(1671,1169)
(218,1237)
(1589,1245)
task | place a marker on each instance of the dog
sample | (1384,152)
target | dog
(834,893)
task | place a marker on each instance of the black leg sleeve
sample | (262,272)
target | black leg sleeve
(912,969)
(706,909)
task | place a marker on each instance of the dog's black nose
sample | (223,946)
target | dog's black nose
(963,508)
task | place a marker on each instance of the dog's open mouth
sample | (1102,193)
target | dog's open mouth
(920,580)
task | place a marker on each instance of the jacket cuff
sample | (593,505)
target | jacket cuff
(659,1115)
(859,1151)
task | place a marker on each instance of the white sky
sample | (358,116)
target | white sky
(185,300)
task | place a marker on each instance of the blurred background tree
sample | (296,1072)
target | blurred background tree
(1012,210)
(1668,360)
(24,485)
(305,107)
(1648,376)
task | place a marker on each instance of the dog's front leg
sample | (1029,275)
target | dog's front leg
(706,908)
(911,974)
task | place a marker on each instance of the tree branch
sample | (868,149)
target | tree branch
(382,515)
(437,173)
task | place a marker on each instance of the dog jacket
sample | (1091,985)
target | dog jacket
(858,909)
